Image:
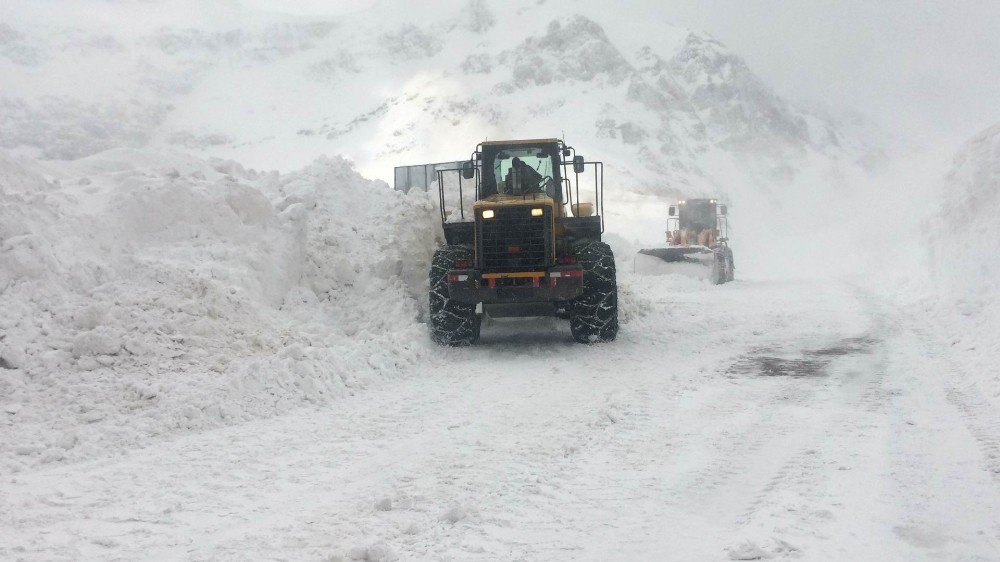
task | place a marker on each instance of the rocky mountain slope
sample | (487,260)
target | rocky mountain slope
(672,111)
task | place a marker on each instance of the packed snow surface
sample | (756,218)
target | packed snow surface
(753,420)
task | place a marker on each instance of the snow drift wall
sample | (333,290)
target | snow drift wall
(966,239)
(143,294)
(964,246)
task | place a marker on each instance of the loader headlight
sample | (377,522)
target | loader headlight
(488,214)
(536,212)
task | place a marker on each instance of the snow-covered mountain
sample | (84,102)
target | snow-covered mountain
(671,111)
(385,87)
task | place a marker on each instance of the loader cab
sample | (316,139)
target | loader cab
(522,170)
(545,178)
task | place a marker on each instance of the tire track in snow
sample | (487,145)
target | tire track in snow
(852,405)
(807,499)
(798,485)
(744,438)
(984,427)
(526,450)
(980,416)
(773,433)
(938,446)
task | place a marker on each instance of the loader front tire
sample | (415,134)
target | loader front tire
(593,316)
(452,323)
(718,275)
(722,267)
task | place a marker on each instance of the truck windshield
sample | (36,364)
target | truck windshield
(520,171)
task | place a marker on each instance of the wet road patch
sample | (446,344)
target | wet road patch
(809,363)
(770,366)
(847,346)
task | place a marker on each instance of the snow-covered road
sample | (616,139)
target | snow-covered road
(752,420)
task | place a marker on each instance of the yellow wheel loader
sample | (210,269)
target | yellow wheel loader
(521,242)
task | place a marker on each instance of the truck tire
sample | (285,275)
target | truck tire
(452,323)
(594,314)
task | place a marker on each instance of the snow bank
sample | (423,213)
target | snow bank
(967,232)
(149,293)
(964,243)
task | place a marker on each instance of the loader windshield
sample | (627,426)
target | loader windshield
(523,170)
(697,215)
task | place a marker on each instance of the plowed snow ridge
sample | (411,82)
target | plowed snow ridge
(148,294)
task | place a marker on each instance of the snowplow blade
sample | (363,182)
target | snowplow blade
(688,254)
(692,261)
(687,261)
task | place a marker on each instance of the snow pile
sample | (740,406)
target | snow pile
(964,244)
(149,293)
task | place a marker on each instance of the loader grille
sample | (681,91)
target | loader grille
(513,240)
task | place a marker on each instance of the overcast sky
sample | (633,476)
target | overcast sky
(916,67)
(921,69)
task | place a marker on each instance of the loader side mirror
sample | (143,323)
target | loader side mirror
(722,210)
(578,164)
(672,211)
(468,170)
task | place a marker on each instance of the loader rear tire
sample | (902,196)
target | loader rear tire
(594,314)
(452,323)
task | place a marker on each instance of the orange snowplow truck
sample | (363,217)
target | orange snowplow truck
(697,232)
